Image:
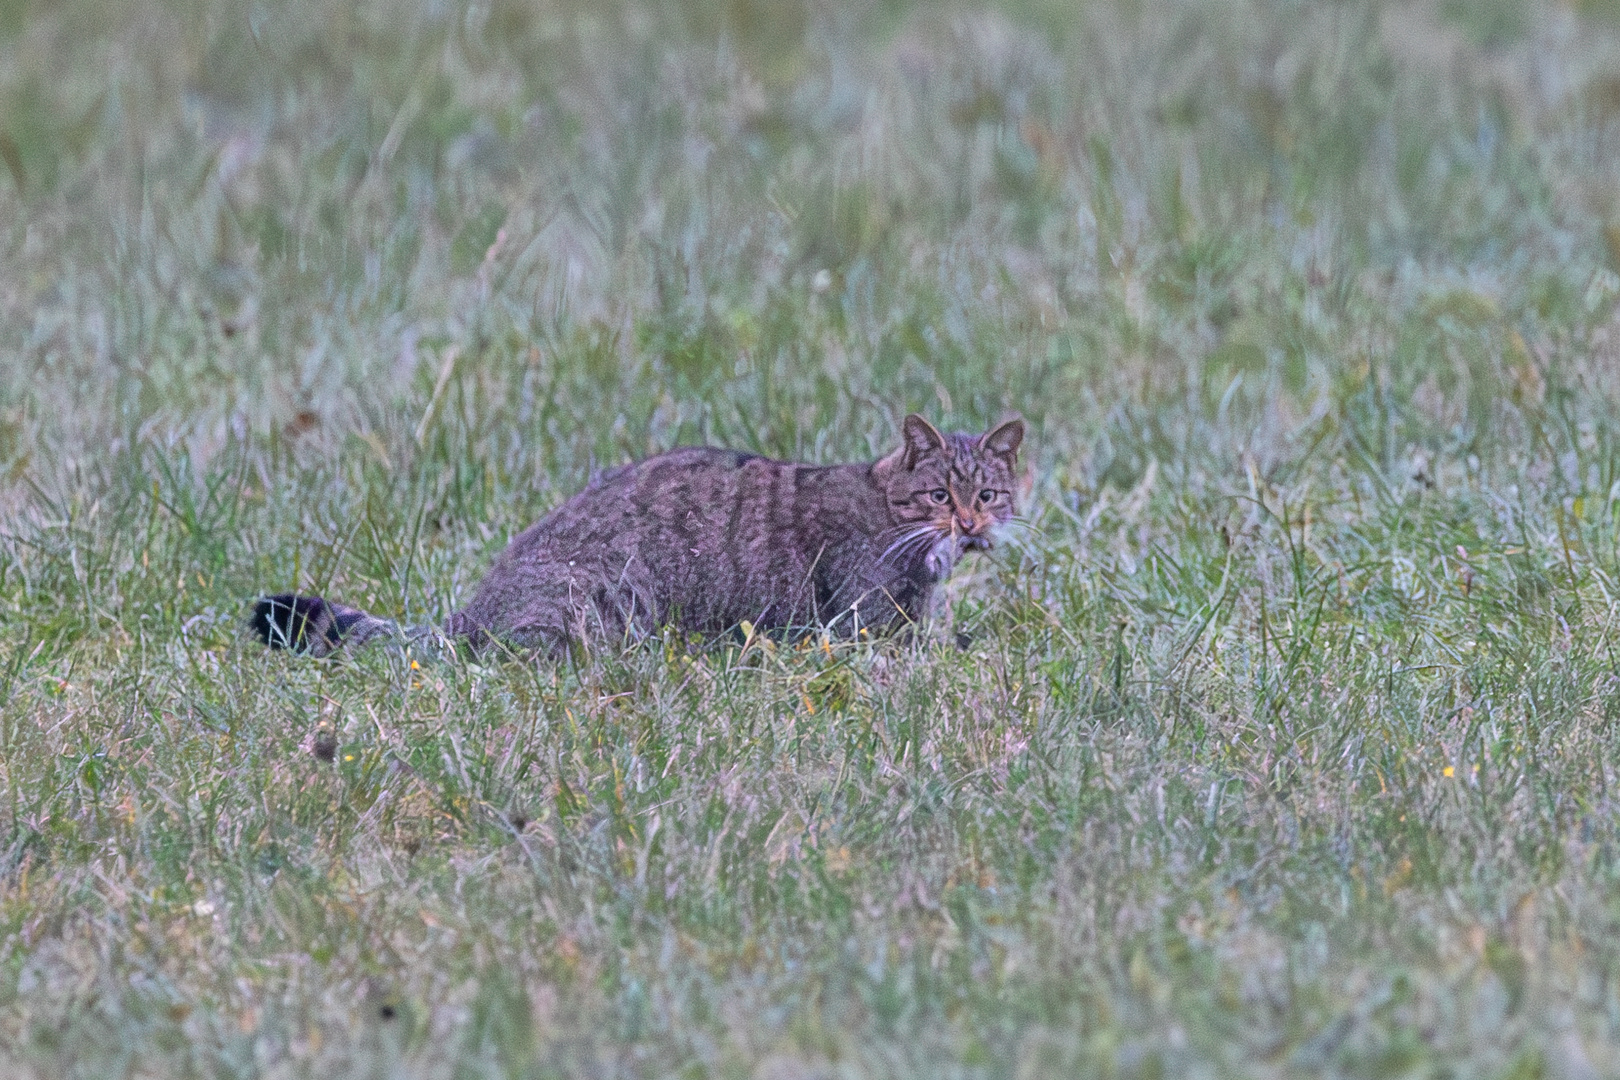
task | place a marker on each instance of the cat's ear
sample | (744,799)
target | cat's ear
(1004,439)
(921,439)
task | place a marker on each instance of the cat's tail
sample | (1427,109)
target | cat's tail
(314,625)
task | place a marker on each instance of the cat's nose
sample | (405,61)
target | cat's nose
(964,521)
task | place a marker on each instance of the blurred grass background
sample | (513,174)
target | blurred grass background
(1281,740)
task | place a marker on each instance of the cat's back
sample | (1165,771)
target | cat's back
(669,485)
(701,496)
(691,474)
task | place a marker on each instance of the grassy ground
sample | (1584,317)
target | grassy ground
(1280,743)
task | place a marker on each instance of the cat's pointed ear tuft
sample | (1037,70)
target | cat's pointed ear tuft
(921,439)
(1004,439)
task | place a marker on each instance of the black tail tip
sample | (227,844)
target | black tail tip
(290,621)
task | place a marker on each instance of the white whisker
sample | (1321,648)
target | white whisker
(922,539)
(909,539)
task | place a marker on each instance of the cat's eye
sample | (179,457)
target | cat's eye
(987,496)
(939,495)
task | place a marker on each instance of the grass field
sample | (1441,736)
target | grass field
(1280,743)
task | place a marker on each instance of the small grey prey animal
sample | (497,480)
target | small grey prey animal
(704,539)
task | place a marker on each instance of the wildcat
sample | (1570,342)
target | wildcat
(704,539)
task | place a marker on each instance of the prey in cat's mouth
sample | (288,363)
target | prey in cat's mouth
(951,544)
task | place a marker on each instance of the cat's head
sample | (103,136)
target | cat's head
(948,493)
